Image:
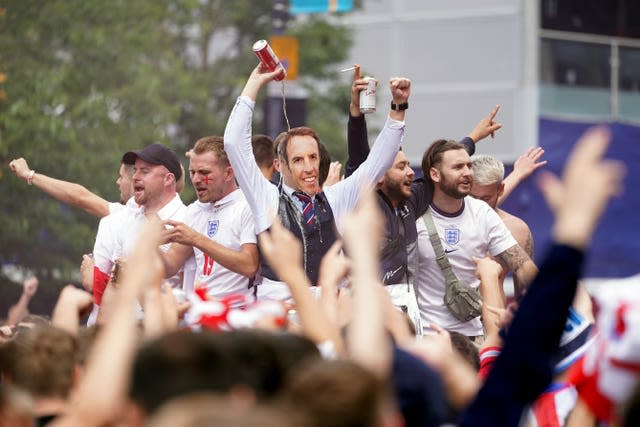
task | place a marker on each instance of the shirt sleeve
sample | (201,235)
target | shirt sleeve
(261,195)
(103,256)
(247,233)
(469,145)
(344,195)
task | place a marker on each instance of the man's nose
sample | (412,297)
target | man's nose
(410,172)
(307,165)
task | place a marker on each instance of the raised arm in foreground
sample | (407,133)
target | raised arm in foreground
(524,367)
(284,253)
(109,364)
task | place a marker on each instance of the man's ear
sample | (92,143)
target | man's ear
(276,164)
(501,190)
(434,174)
(228,174)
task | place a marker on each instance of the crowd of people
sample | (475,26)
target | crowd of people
(290,295)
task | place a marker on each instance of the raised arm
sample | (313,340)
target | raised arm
(524,367)
(486,126)
(357,138)
(72,304)
(369,343)
(109,364)
(344,195)
(19,310)
(260,193)
(283,252)
(524,166)
(66,192)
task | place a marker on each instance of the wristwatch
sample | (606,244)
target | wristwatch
(399,107)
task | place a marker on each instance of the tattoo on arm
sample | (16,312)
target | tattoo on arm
(514,257)
(528,246)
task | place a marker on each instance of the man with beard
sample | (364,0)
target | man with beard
(468,228)
(156,171)
(218,227)
(402,201)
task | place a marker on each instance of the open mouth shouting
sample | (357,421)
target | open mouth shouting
(138,190)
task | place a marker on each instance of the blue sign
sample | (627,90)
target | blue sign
(320,6)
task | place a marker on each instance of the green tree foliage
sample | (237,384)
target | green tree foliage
(87,80)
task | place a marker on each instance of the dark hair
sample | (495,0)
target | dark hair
(433,156)
(263,150)
(283,139)
(264,358)
(325,163)
(178,363)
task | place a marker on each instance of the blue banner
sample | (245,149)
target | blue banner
(615,247)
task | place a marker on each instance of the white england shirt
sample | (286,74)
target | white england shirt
(129,225)
(105,244)
(474,231)
(228,222)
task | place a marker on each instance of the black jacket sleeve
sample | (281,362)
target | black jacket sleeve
(357,144)
(524,368)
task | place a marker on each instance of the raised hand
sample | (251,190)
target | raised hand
(30,287)
(282,249)
(334,174)
(258,78)
(400,89)
(20,168)
(529,162)
(487,126)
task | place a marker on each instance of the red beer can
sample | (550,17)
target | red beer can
(268,58)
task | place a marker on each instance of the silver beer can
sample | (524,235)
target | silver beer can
(368,96)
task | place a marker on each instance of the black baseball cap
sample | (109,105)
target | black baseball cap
(156,154)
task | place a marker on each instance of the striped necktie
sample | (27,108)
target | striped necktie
(308,211)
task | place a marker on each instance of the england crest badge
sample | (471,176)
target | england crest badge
(212,227)
(452,235)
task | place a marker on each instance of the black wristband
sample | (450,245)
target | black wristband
(399,107)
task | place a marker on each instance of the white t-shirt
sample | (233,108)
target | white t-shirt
(476,230)
(230,223)
(129,224)
(105,244)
